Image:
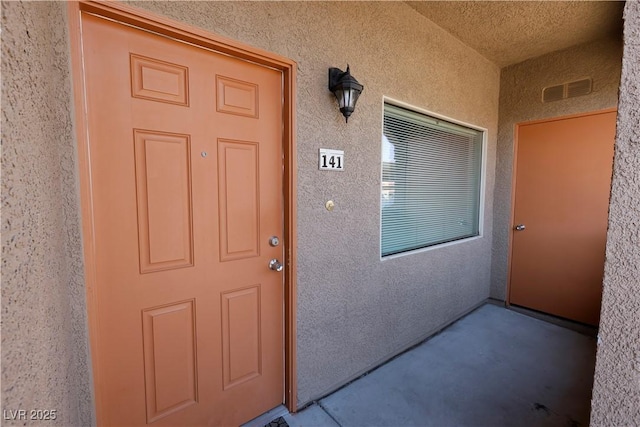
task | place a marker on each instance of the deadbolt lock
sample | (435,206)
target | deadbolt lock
(274,241)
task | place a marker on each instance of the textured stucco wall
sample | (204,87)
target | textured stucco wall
(521,100)
(353,309)
(45,360)
(616,392)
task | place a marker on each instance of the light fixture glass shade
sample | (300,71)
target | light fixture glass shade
(346,90)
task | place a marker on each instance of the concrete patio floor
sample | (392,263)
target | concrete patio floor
(494,367)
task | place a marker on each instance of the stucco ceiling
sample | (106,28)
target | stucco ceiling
(508,32)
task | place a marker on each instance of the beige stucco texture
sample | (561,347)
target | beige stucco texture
(45,359)
(616,391)
(521,101)
(557,25)
(355,310)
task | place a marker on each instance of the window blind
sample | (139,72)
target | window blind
(430,181)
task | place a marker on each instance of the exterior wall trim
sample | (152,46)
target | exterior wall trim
(179,31)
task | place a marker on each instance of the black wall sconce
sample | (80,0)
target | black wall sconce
(346,89)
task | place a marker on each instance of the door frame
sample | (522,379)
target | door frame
(516,133)
(176,30)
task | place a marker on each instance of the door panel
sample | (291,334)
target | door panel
(163,190)
(241,349)
(563,178)
(187,187)
(238,192)
(170,358)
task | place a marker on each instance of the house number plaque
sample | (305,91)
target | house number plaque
(331,160)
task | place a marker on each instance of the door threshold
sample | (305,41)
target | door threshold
(582,328)
(267,417)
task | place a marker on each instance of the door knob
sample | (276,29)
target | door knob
(275,265)
(519,227)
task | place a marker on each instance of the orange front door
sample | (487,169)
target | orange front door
(563,179)
(185,152)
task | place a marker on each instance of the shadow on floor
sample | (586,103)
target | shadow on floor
(494,367)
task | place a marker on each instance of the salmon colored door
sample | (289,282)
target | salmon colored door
(563,179)
(186,159)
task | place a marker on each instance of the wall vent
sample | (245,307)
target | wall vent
(579,88)
(553,93)
(567,90)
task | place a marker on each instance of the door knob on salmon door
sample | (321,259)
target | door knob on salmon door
(275,265)
(519,227)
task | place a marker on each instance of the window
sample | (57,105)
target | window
(431,179)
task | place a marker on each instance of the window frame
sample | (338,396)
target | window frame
(483,173)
